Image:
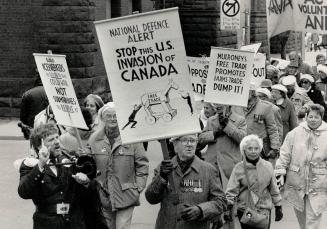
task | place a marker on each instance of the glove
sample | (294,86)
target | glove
(278,213)
(228,216)
(191,213)
(273,153)
(166,167)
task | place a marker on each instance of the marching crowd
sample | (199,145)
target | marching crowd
(242,165)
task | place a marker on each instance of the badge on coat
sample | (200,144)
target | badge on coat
(190,185)
(259,118)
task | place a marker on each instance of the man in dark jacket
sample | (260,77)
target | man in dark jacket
(198,197)
(59,196)
(33,102)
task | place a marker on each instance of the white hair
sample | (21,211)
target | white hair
(252,137)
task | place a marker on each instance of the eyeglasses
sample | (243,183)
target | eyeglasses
(305,81)
(184,142)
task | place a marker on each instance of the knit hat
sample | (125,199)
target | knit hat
(266,83)
(253,87)
(289,80)
(264,91)
(279,87)
(106,108)
(97,100)
(307,77)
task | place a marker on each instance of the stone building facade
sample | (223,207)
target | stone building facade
(66,27)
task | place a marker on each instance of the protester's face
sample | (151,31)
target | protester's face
(209,110)
(262,96)
(294,60)
(276,94)
(185,146)
(53,145)
(305,84)
(91,106)
(290,88)
(110,119)
(314,119)
(321,60)
(252,150)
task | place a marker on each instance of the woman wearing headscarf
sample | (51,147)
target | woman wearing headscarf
(93,103)
(260,183)
(303,160)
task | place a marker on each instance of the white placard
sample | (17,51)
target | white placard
(229,76)
(145,60)
(58,86)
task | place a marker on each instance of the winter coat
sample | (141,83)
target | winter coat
(278,119)
(261,121)
(289,118)
(46,190)
(210,198)
(124,170)
(316,96)
(263,186)
(33,101)
(224,149)
(303,157)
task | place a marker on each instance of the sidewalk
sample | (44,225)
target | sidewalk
(9,129)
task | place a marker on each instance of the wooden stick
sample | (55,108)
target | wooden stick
(165,153)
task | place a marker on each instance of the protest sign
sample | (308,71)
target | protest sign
(198,70)
(311,16)
(279,16)
(230,14)
(145,60)
(259,68)
(229,76)
(281,63)
(252,47)
(58,86)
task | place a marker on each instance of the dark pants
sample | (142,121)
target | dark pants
(244,226)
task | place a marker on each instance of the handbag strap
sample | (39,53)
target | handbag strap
(250,202)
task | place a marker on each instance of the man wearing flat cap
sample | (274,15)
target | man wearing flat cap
(198,197)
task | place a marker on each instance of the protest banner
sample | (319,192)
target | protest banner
(229,76)
(145,60)
(259,68)
(279,16)
(252,47)
(58,86)
(230,15)
(311,16)
(198,70)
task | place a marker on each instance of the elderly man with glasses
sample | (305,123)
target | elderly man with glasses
(198,198)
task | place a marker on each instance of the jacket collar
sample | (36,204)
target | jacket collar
(195,166)
(322,127)
(116,144)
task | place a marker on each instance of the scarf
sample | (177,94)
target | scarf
(184,165)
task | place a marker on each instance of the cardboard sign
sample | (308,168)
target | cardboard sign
(259,68)
(198,70)
(230,14)
(252,47)
(229,76)
(145,60)
(58,86)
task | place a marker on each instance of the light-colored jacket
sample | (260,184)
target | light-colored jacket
(225,148)
(278,119)
(263,186)
(124,170)
(211,199)
(304,157)
(261,121)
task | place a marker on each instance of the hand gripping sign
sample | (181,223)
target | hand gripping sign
(145,60)
(58,86)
